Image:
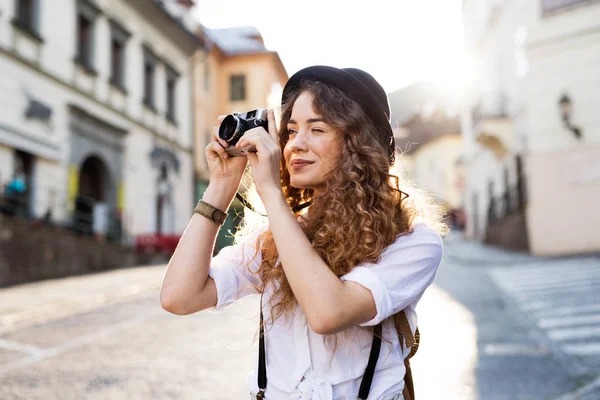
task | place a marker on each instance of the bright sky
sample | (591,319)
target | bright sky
(397,41)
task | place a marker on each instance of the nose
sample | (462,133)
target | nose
(299,143)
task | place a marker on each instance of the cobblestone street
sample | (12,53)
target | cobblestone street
(488,332)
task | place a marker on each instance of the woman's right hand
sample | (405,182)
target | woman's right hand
(221,165)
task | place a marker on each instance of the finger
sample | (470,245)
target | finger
(272,126)
(265,146)
(215,134)
(220,118)
(253,137)
(218,149)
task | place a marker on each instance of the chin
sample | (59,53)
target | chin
(300,183)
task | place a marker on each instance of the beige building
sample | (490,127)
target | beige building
(236,73)
(427,133)
(531,125)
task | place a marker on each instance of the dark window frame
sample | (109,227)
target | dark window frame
(237,87)
(149,78)
(172,77)
(85,50)
(27,19)
(119,38)
(207,76)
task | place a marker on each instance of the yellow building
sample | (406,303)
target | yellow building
(236,72)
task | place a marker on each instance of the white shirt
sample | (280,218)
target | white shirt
(298,362)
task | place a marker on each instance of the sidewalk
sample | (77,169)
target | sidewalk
(474,253)
(56,298)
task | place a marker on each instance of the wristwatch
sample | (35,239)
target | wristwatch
(210,212)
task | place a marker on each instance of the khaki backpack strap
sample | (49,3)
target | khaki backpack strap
(404,331)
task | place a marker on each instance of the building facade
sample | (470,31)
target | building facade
(530,170)
(564,147)
(96,114)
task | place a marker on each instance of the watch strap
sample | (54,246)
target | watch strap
(210,212)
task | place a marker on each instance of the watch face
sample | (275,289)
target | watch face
(218,216)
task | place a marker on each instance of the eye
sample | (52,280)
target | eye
(291,132)
(318,130)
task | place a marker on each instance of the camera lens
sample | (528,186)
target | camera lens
(231,129)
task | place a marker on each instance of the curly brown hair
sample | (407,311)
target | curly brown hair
(362,209)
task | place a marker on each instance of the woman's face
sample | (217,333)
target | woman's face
(313,147)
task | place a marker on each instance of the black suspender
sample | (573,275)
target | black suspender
(262,359)
(365,385)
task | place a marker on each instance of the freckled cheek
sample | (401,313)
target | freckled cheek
(287,152)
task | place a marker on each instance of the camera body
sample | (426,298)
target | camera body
(235,125)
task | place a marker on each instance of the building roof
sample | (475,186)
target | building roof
(423,112)
(421,130)
(238,41)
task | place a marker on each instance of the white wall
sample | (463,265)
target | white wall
(564,59)
(563,214)
(54,79)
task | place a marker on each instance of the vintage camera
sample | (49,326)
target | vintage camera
(235,125)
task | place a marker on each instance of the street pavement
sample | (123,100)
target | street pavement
(558,298)
(495,326)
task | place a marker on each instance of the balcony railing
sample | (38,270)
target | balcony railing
(490,105)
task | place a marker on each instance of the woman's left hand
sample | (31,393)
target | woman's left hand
(265,162)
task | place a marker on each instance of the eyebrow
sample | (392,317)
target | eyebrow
(308,121)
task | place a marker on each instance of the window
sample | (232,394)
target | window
(238,87)
(554,5)
(86,17)
(27,16)
(206,76)
(150,61)
(171,90)
(118,42)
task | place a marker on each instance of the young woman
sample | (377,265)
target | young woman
(344,250)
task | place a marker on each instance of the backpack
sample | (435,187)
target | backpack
(406,338)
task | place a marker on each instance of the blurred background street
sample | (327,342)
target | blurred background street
(104,336)
(106,107)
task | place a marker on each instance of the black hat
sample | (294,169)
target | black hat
(360,86)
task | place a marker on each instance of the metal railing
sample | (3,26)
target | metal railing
(513,199)
(19,205)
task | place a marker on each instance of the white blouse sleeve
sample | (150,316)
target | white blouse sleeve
(407,267)
(234,271)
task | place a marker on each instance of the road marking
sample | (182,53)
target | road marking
(515,349)
(553,270)
(536,305)
(569,310)
(587,319)
(545,293)
(574,333)
(554,284)
(583,349)
(16,346)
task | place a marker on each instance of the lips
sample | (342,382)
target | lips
(299,163)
